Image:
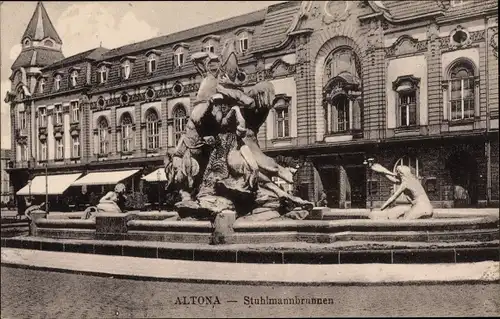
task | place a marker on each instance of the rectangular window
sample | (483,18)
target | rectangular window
(153,133)
(282,123)
(243,43)
(407,108)
(43,151)
(23,121)
(462,99)
(75,148)
(58,114)
(179,128)
(343,115)
(103,141)
(75,112)
(152,66)
(59,149)
(127,138)
(42,117)
(24,152)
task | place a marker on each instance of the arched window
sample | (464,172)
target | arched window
(411,162)
(462,94)
(180,120)
(342,91)
(342,60)
(57,82)
(151,63)
(102,135)
(74,78)
(209,46)
(415,167)
(48,43)
(152,130)
(127,134)
(41,86)
(243,40)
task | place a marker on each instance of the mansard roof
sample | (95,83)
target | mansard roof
(278,19)
(211,28)
(38,56)
(93,55)
(40,26)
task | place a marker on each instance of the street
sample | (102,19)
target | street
(29,293)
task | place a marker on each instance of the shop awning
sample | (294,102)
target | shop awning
(156,176)
(104,178)
(56,184)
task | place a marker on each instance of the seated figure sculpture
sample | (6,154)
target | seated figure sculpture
(410,186)
(113,201)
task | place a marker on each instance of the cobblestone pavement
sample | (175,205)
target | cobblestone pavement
(38,294)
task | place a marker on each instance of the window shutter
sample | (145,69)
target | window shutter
(146,66)
(119,72)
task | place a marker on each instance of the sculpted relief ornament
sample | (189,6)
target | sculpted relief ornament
(336,11)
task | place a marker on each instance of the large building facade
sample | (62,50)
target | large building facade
(402,82)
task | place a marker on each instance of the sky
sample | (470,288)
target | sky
(85,25)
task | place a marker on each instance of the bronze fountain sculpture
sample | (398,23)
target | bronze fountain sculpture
(218,165)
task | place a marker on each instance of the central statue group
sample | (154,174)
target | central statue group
(217,165)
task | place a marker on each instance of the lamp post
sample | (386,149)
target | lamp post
(369,162)
(46,189)
(159,192)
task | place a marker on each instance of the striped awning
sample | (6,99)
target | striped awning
(51,185)
(156,176)
(104,178)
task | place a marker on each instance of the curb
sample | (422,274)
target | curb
(249,282)
(427,255)
(266,275)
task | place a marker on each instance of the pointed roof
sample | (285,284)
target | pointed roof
(40,26)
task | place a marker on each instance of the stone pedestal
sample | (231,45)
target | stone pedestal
(223,227)
(36,215)
(112,226)
(317,213)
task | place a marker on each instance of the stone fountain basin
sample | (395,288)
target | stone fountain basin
(324,226)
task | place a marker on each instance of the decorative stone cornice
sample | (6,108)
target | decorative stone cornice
(406,44)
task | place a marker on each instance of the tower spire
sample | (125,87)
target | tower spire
(41,45)
(40,27)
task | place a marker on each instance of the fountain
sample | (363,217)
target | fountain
(228,196)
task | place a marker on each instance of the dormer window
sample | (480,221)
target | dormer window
(152,63)
(209,46)
(103,74)
(26,42)
(456,3)
(126,66)
(243,40)
(41,86)
(179,56)
(57,82)
(73,78)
